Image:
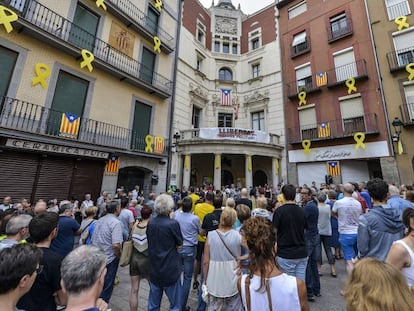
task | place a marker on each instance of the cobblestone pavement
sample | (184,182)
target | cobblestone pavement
(331,300)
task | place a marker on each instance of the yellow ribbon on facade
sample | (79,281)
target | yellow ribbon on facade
(149,140)
(302,98)
(410,69)
(101,3)
(7,16)
(401,21)
(217,161)
(359,138)
(42,73)
(158,5)
(350,83)
(88,58)
(249,163)
(187,162)
(157,45)
(276,166)
(306,144)
(400,148)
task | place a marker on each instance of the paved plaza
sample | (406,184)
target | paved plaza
(331,300)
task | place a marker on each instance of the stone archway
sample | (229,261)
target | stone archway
(259,178)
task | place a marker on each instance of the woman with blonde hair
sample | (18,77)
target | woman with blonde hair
(266,287)
(221,254)
(379,286)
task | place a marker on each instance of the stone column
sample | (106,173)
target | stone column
(275,171)
(217,171)
(248,171)
(187,171)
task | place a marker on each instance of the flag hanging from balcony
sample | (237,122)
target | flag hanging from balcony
(69,125)
(225,97)
(236,108)
(333,168)
(324,130)
(321,78)
(112,166)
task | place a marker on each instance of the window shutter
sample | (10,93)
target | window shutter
(351,108)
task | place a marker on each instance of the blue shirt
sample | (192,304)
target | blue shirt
(312,215)
(399,203)
(164,235)
(64,241)
(190,227)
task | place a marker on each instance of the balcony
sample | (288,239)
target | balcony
(397,60)
(134,18)
(338,76)
(335,129)
(340,29)
(54,29)
(307,84)
(399,9)
(301,48)
(25,117)
(407,113)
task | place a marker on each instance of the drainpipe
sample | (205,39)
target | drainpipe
(384,104)
(172,106)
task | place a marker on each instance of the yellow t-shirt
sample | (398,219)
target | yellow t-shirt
(201,210)
(194,198)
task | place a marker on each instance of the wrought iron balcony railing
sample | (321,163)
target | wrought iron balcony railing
(308,85)
(407,113)
(60,28)
(399,9)
(338,75)
(141,22)
(339,29)
(301,48)
(334,129)
(397,60)
(26,117)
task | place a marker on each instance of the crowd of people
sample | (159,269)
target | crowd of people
(242,249)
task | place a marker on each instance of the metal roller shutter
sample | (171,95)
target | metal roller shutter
(54,178)
(87,177)
(17,174)
(308,172)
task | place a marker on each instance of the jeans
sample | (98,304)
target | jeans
(188,255)
(108,287)
(313,284)
(326,242)
(173,293)
(293,267)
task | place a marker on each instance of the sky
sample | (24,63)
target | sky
(247,6)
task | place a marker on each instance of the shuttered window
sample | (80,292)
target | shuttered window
(404,47)
(396,8)
(345,66)
(153,17)
(303,77)
(307,118)
(147,65)
(352,112)
(409,97)
(141,125)
(84,35)
(297,10)
(7,62)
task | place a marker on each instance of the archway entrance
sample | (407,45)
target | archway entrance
(259,178)
(227,178)
(131,176)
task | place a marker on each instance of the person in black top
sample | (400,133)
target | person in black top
(244,198)
(290,223)
(211,221)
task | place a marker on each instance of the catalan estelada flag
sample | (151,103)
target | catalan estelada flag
(112,166)
(159,144)
(333,168)
(69,125)
(324,130)
(225,97)
(321,78)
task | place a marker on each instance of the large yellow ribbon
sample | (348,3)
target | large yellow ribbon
(88,58)
(306,144)
(7,16)
(276,166)
(249,163)
(350,83)
(400,148)
(410,70)
(157,45)
(359,138)
(42,73)
(149,140)
(187,162)
(158,5)
(302,98)
(401,22)
(218,161)
(101,3)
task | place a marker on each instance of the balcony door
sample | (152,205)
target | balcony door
(146,71)
(141,125)
(345,66)
(8,60)
(83,32)
(404,48)
(70,97)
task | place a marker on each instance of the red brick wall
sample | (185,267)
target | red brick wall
(192,11)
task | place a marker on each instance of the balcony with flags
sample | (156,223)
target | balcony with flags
(69,125)
(324,130)
(225,97)
(321,78)
(334,168)
(112,166)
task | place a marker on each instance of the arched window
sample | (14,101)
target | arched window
(225,74)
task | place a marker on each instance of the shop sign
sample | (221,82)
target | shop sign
(226,133)
(65,150)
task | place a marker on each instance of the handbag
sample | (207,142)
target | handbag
(126,253)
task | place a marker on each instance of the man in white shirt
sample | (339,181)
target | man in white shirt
(85,204)
(7,203)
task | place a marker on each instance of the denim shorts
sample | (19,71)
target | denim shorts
(349,245)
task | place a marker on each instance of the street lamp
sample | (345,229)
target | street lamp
(397,124)
(176,137)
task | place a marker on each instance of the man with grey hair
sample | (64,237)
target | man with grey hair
(68,228)
(83,275)
(7,203)
(396,201)
(108,235)
(164,243)
(17,229)
(348,210)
